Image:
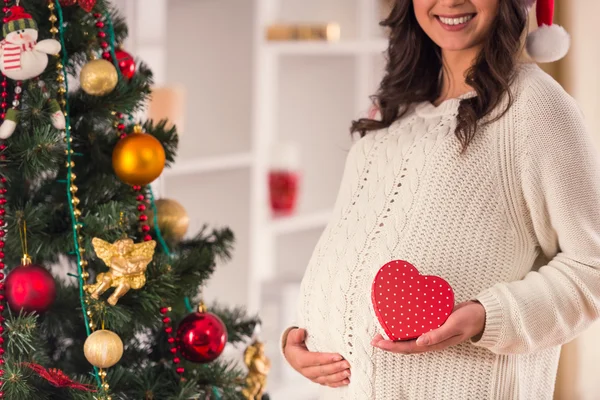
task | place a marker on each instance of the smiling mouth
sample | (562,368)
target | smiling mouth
(455,20)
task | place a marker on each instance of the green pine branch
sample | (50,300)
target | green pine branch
(34,166)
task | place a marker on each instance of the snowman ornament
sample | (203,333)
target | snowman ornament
(22,57)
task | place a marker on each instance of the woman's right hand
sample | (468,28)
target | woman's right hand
(327,369)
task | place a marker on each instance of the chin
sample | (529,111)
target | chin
(455,45)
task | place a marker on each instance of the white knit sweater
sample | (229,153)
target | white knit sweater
(514,223)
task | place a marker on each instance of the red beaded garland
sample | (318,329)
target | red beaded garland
(3,191)
(164,311)
(4,97)
(102,35)
(142,218)
(171,339)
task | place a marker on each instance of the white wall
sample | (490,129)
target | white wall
(584,60)
(584,84)
(209,52)
(206,46)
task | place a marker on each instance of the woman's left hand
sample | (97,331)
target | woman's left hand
(466,321)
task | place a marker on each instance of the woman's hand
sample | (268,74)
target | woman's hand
(466,321)
(327,369)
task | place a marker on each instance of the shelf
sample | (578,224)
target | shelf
(299,223)
(210,164)
(328,48)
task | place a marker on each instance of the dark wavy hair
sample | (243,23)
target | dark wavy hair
(414,63)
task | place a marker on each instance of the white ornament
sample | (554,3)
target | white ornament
(22,57)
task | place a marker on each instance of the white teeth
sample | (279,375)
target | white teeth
(456,21)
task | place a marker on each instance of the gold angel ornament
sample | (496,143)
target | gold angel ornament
(258,368)
(127,263)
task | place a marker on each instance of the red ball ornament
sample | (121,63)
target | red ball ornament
(67,3)
(126,63)
(201,337)
(30,287)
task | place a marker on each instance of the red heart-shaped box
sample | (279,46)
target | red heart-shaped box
(408,304)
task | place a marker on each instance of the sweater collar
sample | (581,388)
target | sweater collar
(426,109)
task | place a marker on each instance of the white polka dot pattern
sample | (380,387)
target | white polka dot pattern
(408,304)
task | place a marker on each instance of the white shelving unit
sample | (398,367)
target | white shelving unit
(305,92)
(299,223)
(207,165)
(361,55)
(373,46)
(246,94)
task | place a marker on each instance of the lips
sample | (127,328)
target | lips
(457,20)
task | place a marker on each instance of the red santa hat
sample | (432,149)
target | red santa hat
(16,20)
(549,42)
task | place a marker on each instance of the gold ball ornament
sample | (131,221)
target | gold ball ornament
(103,348)
(138,159)
(173,219)
(98,77)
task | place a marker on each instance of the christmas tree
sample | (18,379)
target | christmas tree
(99,294)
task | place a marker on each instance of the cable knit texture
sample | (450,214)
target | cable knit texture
(514,223)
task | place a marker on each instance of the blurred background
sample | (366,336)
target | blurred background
(263,93)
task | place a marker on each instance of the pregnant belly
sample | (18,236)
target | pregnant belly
(336,308)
